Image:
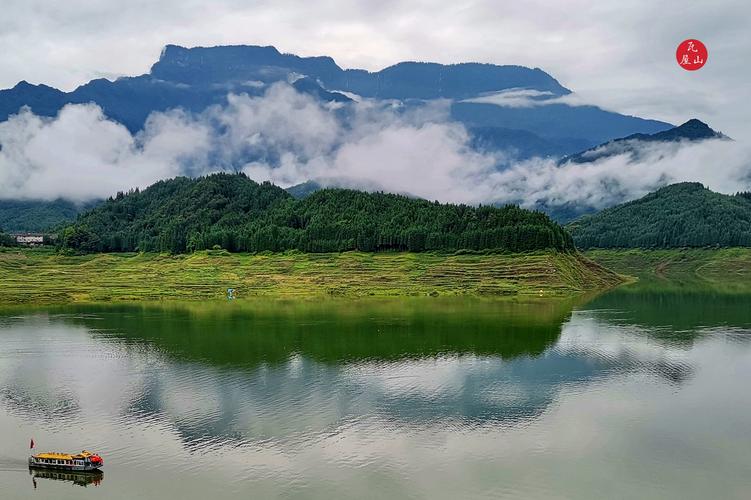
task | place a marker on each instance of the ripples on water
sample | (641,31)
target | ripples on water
(406,399)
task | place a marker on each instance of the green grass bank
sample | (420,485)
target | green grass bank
(44,277)
(723,270)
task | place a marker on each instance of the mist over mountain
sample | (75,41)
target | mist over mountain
(196,78)
(38,215)
(463,133)
(659,149)
(632,145)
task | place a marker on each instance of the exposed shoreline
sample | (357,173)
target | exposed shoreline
(43,277)
(680,270)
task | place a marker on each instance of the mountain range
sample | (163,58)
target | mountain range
(545,125)
(196,78)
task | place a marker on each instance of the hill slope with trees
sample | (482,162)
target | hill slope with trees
(230,210)
(680,215)
(39,215)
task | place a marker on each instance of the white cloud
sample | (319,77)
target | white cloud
(287,138)
(721,165)
(81,154)
(515,98)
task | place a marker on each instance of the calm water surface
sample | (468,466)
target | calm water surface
(629,396)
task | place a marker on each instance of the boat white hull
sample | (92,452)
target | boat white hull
(36,464)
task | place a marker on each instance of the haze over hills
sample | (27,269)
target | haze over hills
(38,215)
(469,133)
(680,215)
(632,149)
(692,130)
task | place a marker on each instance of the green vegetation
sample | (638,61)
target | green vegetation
(38,215)
(42,276)
(725,270)
(253,332)
(234,213)
(6,240)
(680,215)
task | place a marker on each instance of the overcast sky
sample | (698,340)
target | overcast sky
(618,54)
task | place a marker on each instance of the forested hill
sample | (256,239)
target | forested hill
(238,214)
(680,215)
(39,215)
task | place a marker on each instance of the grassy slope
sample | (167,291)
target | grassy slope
(37,276)
(726,270)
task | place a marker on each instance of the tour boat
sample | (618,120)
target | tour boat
(79,462)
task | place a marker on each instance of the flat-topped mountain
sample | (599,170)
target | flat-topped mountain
(195,78)
(405,80)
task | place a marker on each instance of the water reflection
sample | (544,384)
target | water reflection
(662,314)
(78,478)
(275,393)
(218,378)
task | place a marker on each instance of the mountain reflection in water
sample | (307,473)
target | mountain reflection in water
(257,392)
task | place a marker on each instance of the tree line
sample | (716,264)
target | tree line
(681,215)
(232,212)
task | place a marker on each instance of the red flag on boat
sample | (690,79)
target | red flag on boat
(31,445)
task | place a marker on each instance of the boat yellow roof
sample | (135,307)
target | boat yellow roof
(64,456)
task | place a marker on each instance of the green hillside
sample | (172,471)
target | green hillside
(237,214)
(38,215)
(680,215)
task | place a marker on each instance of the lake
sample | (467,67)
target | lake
(630,395)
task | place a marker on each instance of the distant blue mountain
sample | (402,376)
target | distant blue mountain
(586,125)
(44,100)
(406,80)
(523,144)
(195,78)
(692,130)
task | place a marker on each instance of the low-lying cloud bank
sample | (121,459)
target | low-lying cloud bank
(287,138)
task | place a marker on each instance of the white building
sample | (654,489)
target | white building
(29,239)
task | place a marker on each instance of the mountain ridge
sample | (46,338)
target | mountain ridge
(175,63)
(196,78)
(692,130)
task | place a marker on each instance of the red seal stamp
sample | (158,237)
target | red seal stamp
(691,54)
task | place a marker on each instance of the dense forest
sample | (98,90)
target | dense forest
(680,215)
(237,214)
